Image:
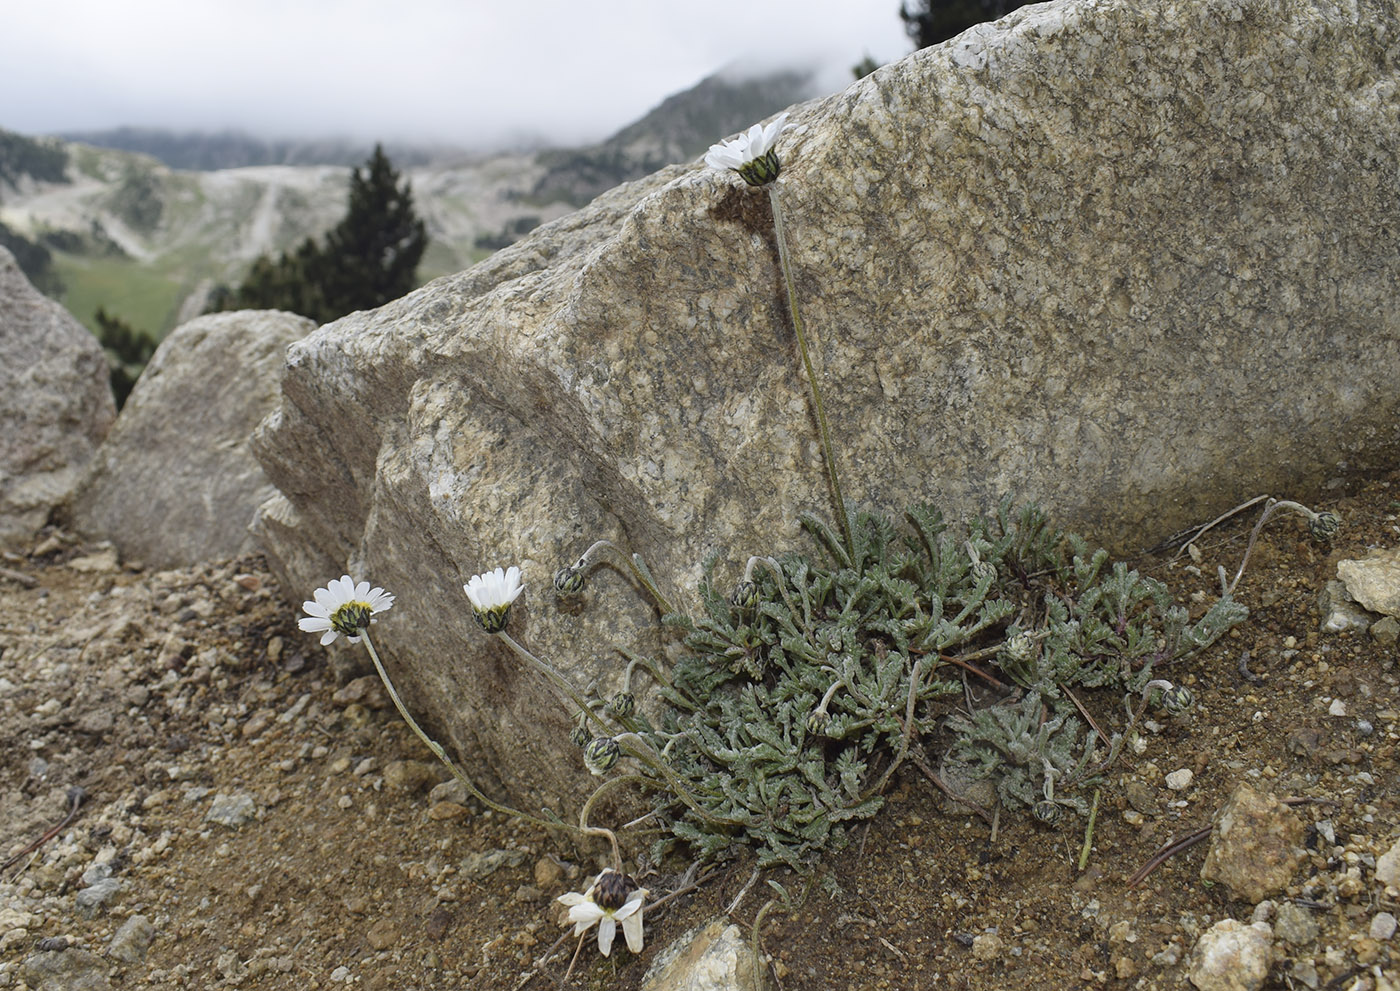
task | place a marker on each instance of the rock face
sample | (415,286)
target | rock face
(55,401)
(1374,581)
(1133,263)
(175,483)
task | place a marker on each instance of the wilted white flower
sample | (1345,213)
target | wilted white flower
(751,154)
(343,607)
(613,897)
(491,595)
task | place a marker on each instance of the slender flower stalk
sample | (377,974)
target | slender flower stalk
(570,580)
(557,680)
(754,156)
(813,388)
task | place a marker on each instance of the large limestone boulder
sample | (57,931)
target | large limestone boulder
(55,403)
(176,483)
(1135,262)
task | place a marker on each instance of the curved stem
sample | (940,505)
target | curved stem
(441,754)
(643,751)
(812,386)
(557,680)
(635,565)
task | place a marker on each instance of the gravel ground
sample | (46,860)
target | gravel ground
(245,810)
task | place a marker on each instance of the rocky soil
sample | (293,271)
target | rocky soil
(194,794)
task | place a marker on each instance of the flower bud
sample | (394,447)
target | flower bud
(579,736)
(601,755)
(817,722)
(1046,811)
(762,170)
(622,705)
(569,581)
(1324,526)
(1177,700)
(745,596)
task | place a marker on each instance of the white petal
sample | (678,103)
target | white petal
(607,929)
(315,609)
(632,929)
(313,624)
(586,912)
(571,898)
(329,638)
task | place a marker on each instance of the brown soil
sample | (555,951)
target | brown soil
(156,692)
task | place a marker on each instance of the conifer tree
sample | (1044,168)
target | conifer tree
(927,22)
(366,260)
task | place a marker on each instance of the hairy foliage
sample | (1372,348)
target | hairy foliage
(799,694)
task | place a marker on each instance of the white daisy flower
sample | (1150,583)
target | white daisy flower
(751,154)
(343,607)
(613,897)
(491,595)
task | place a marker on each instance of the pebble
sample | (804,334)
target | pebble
(450,790)
(409,776)
(1382,926)
(714,957)
(1180,780)
(1295,924)
(548,873)
(71,969)
(1232,956)
(481,863)
(91,899)
(1338,708)
(382,935)
(130,943)
(1255,845)
(232,811)
(1386,632)
(340,974)
(1388,867)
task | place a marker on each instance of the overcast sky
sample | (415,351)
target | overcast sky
(470,72)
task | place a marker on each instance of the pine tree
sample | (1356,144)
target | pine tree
(927,22)
(368,259)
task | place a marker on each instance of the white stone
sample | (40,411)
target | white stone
(1180,780)
(1232,956)
(1382,926)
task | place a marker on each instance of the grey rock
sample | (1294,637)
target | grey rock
(1339,611)
(232,811)
(1072,255)
(482,863)
(175,483)
(73,969)
(92,898)
(55,401)
(1295,924)
(411,776)
(1231,956)
(1255,845)
(1386,632)
(1374,581)
(1382,926)
(1388,867)
(130,942)
(714,957)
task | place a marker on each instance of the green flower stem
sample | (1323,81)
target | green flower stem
(635,565)
(636,660)
(557,680)
(441,754)
(813,388)
(637,747)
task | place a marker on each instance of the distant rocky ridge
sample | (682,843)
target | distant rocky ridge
(135,229)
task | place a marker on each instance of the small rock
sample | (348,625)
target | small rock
(450,790)
(1386,632)
(91,899)
(548,873)
(1388,867)
(442,811)
(1374,581)
(382,935)
(1337,709)
(1382,926)
(987,947)
(98,561)
(1339,611)
(482,863)
(715,957)
(340,974)
(409,776)
(232,811)
(130,943)
(1255,846)
(73,969)
(1180,780)
(1295,925)
(1231,956)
